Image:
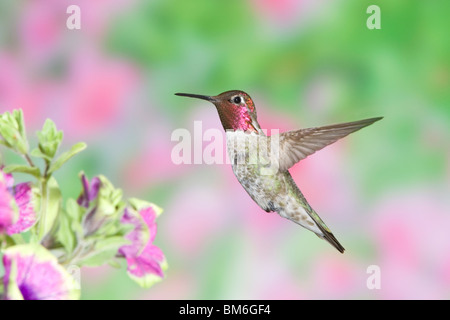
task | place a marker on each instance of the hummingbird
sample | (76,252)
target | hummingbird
(266,177)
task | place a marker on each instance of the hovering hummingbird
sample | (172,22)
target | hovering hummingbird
(274,190)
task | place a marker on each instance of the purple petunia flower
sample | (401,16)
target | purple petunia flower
(146,262)
(17,205)
(33,273)
(90,191)
(88,199)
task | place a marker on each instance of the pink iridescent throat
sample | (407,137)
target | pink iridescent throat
(236,118)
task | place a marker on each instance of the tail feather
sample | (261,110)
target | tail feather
(328,236)
(325,232)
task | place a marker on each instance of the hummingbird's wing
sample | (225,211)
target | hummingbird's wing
(297,145)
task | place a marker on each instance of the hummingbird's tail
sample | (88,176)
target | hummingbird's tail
(319,228)
(328,236)
(325,232)
(310,220)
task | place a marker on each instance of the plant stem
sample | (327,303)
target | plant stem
(30,162)
(2,241)
(74,257)
(44,201)
(47,165)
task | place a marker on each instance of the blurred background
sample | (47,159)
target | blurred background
(384,191)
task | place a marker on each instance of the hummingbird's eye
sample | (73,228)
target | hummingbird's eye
(237,99)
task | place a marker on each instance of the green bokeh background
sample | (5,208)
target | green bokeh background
(310,64)
(400,72)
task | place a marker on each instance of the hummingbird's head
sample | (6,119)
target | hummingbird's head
(236,109)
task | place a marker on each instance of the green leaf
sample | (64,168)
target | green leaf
(49,139)
(18,115)
(39,154)
(65,235)
(109,197)
(74,210)
(104,212)
(115,264)
(63,158)
(34,171)
(50,207)
(12,130)
(13,291)
(70,229)
(9,133)
(104,251)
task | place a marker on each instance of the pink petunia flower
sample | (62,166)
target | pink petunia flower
(17,205)
(146,262)
(8,216)
(33,273)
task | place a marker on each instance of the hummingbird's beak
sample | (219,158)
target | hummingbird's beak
(198,96)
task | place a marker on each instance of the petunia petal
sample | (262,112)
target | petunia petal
(23,194)
(33,273)
(146,262)
(8,209)
(147,268)
(90,191)
(8,179)
(139,236)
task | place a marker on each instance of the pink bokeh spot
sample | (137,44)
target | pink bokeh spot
(398,239)
(43,24)
(97,276)
(17,91)
(153,163)
(336,276)
(176,287)
(96,93)
(288,13)
(411,232)
(444,269)
(197,216)
(40,29)
(279,10)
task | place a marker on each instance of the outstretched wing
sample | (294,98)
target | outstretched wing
(297,145)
